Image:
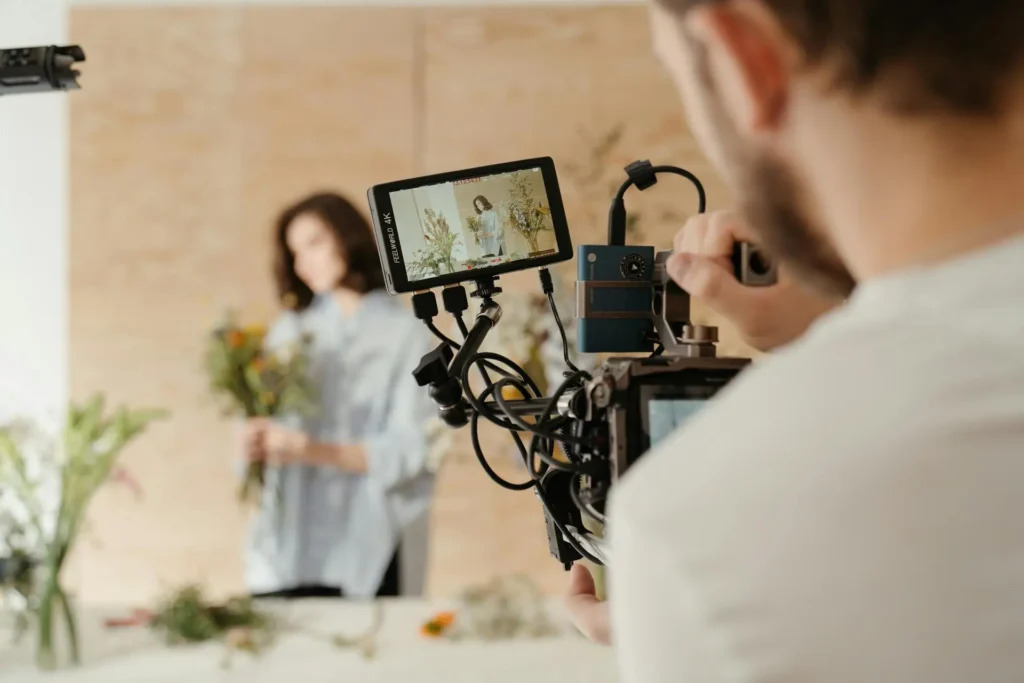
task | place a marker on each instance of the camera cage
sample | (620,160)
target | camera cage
(596,421)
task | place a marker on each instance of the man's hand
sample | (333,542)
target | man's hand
(589,614)
(766,317)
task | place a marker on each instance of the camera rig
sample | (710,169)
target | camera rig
(46,68)
(587,433)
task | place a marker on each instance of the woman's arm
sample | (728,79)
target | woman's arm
(287,446)
(398,453)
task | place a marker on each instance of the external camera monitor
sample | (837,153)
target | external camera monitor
(466,225)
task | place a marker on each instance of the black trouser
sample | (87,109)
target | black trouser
(389,587)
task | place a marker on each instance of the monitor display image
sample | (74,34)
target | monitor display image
(664,415)
(473,223)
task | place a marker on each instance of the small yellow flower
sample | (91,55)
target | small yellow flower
(256,331)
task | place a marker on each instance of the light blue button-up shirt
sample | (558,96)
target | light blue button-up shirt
(322,525)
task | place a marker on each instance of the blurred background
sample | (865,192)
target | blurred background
(138,209)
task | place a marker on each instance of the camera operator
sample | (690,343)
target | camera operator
(851,508)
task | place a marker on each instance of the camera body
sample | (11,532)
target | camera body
(614,299)
(627,303)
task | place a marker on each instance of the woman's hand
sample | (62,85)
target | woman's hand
(253,448)
(766,317)
(276,444)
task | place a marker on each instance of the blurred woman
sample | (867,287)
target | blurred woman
(346,481)
(491,232)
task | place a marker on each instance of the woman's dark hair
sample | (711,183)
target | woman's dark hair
(481,199)
(355,242)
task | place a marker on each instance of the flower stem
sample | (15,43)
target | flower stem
(45,658)
(71,626)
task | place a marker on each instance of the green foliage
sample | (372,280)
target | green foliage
(78,464)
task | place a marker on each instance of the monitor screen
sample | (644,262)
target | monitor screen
(481,222)
(664,415)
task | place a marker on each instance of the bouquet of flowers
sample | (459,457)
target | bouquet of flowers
(257,382)
(525,213)
(47,486)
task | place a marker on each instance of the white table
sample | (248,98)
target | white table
(136,655)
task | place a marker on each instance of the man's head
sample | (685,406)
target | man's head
(770,85)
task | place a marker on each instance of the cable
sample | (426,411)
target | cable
(586,508)
(547,286)
(478,450)
(440,335)
(643,175)
(462,324)
(562,529)
(475,400)
(495,477)
(523,424)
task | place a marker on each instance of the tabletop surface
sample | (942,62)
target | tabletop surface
(402,654)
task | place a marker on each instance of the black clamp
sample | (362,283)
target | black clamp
(642,174)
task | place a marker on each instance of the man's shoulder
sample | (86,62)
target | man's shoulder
(848,397)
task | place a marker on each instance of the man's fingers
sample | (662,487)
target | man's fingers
(581,581)
(724,230)
(589,614)
(711,282)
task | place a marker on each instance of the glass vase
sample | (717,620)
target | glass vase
(54,607)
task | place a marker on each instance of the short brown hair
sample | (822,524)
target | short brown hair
(355,241)
(939,56)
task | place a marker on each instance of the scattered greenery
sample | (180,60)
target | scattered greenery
(188,617)
(502,609)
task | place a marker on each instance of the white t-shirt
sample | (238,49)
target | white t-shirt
(850,510)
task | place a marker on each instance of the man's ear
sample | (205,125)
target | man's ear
(749,57)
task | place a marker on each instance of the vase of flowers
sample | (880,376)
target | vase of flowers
(32,469)
(255,381)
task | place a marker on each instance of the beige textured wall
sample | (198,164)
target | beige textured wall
(197,124)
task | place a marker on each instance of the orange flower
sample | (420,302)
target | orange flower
(235,339)
(436,627)
(257,364)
